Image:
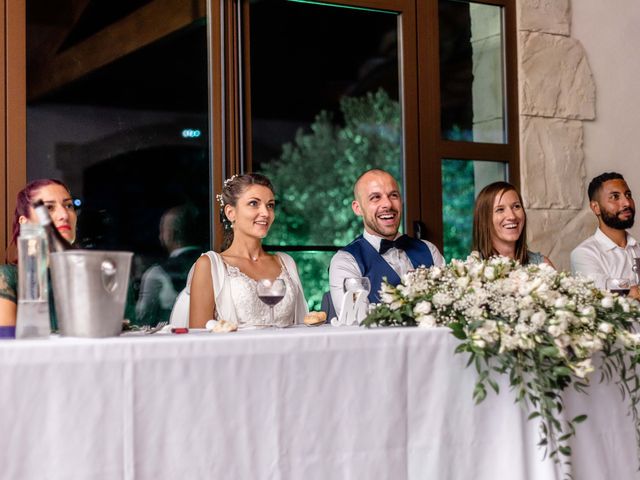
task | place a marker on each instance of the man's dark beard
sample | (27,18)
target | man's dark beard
(613,221)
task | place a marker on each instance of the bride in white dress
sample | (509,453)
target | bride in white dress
(223,286)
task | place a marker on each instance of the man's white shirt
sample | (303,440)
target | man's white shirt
(599,258)
(343,265)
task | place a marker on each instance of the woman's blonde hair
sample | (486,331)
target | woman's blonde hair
(483,229)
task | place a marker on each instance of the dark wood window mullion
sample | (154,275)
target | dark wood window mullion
(217,107)
(511,90)
(429,105)
(475,151)
(410,112)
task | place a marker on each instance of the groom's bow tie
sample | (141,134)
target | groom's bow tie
(402,242)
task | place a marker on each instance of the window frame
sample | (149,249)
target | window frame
(433,147)
(423,146)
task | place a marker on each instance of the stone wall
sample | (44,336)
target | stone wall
(557,95)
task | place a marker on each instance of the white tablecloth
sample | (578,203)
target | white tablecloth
(300,403)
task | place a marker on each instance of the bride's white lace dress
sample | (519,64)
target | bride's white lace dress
(250,310)
(237,300)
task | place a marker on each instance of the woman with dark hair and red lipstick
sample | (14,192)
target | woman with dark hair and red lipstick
(499,225)
(58,200)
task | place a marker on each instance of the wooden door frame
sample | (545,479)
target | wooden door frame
(240,153)
(13,125)
(433,148)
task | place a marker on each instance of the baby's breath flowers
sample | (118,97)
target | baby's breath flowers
(542,328)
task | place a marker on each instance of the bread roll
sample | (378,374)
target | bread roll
(221,326)
(315,318)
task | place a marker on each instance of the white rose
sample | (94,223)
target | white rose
(563,341)
(490,273)
(622,301)
(526,343)
(583,368)
(524,315)
(538,319)
(556,330)
(474,312)
(588,311)
(526,301)
(607,302)
(395,305)
(476,270)
(462,282)
(386,298)
(479,343)
(442,299)
(427,321)
(422,308)
(508,342)
(561,302)
(605,327)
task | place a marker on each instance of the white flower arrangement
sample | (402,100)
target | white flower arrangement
(540,327)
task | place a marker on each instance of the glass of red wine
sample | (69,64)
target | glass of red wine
(620,286)
(271,292)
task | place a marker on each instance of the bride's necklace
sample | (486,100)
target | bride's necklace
(253,258)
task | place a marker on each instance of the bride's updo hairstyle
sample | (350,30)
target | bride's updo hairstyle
(483,229)
(232,189)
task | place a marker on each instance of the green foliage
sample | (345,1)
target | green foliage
(458,197)
(314,179)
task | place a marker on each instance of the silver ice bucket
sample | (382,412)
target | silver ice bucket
(90,291)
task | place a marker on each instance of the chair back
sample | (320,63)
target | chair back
(180,311)
(327,306)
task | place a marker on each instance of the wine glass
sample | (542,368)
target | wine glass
(356,285)
(620,286)
(271,292)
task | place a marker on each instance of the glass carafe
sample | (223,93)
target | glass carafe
(33,291)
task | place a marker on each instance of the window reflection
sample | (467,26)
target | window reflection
(471,72)
(125,125)
(324,108)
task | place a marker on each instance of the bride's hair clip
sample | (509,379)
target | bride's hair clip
(229,180)
(225,184)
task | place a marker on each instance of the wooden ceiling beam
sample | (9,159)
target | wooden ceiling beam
(143,27)
(49,25)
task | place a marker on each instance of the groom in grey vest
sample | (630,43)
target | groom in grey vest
(380,252)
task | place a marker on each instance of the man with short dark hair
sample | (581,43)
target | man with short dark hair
(611,251)
(380,252)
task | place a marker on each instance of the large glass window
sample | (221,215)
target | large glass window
(310,93)
(118,110)
(471,72)
(476,143)
(324,104)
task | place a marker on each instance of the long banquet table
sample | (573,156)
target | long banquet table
(298,403)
